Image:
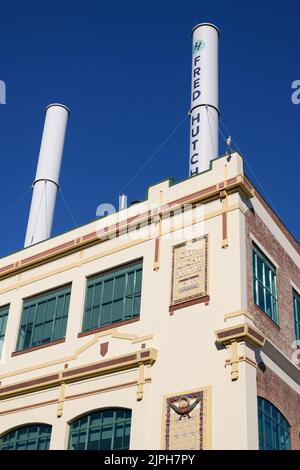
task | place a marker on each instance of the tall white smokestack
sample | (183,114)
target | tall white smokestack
(46,183)
(204,113)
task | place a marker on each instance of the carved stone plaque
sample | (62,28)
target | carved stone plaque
(187,421)
(189,273)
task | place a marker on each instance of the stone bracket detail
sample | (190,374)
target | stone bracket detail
(234,335)
(140,382)
(234,361)
(61,400)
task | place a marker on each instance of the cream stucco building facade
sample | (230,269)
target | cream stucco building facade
(189,363)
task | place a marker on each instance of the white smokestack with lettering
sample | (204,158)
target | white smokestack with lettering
(46,183)
(204,113)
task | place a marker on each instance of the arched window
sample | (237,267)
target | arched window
(30,437)
(274,430)
(101,430)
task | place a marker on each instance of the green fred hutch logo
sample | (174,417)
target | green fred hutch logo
(198,46)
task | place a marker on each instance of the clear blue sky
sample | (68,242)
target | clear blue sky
(123,68)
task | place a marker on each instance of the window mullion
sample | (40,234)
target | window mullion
(124,430)
(112,299)
(264,285)
(125,294)
(93,303)
(87,432)
(27,321)
(62,317)
(78,436)
(44,320)
(274,292)
(273,316)
(274,423)
(55,316)
(134,291)
(33,323)
(113,431)
(264,424)
(256,277)
(101,303)
(101,428)
(37,438)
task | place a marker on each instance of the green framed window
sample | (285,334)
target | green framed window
(113,296)
(3,322)
(102,430)
(296,302)
(274,430)
(265,284)
(44,318)
(31,437)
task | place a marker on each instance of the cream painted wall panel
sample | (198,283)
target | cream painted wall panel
(241,410)
(21,402)
(99,383)
(51,266)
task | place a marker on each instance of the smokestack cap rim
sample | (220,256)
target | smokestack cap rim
(58,104)
(206,24)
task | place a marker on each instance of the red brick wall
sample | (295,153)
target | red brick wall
(287,400)
(269,385)
(284,335)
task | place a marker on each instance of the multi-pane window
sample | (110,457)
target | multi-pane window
(274,430)
(113,296)
(44,318)
(264,284)
(296,301)
(102,430)
(32,437)
(3,321)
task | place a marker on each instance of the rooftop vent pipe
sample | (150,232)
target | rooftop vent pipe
(46,183)
(204,113)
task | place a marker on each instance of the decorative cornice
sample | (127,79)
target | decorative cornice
(75,374)
(243,332)
(232,336)
(231,185)
(113,332)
